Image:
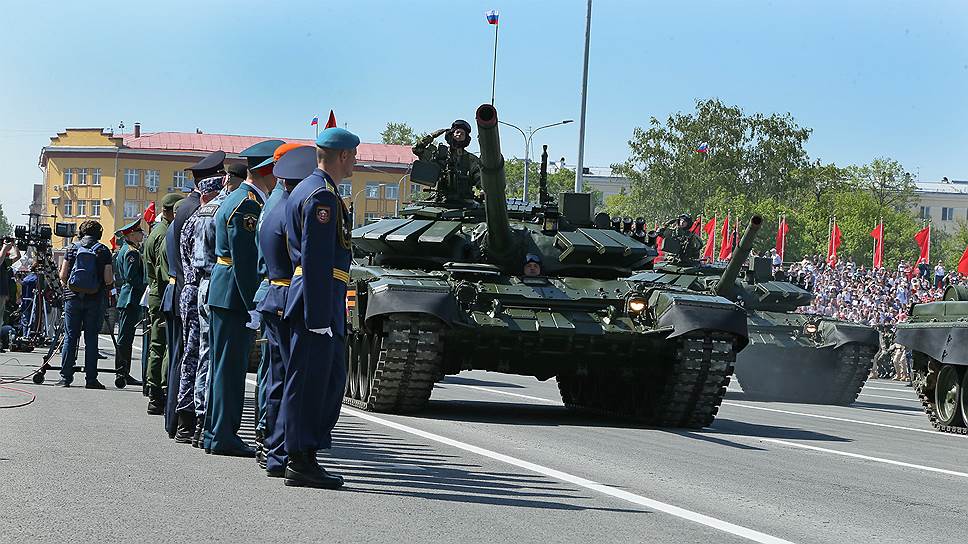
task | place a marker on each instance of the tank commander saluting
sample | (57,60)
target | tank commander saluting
(460,170)
(690,245)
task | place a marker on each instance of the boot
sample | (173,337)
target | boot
(199,429)
(186,427)
(156,401)
(303,471)
(260,448)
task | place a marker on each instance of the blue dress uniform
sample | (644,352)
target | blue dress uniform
(318,231)
(230,299)
(292,167)
(129,272)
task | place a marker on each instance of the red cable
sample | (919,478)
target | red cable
(33,397)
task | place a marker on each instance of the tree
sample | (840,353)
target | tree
(398,134)
(5,228)
(559,181)
(886,180)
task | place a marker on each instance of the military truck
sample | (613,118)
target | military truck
(442,290)
(791,357)
(937,335)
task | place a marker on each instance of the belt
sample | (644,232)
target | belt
(341,275)
(227,261)
(282,282)
(172,280)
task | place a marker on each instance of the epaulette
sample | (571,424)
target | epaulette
(251,196)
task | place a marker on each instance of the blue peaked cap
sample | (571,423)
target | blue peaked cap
(296,164)
(337,138)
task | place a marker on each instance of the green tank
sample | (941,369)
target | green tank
(791,357)
(937,335)
(441,290)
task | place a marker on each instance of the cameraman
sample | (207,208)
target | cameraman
(89,279)
(8,255)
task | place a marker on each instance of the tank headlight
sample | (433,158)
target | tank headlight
(810,328)
(637,305)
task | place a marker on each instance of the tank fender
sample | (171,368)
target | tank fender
(836,334)
(386,299)
(686,313)
(947,345)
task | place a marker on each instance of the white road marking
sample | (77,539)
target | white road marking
(695,517)
(909,389)
(909,399)
(495,391)
(868,458)
(832,418)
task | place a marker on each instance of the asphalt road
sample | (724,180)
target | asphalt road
(494,458)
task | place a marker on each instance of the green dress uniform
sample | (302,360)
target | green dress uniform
(130,277)
(156,268)
(231,295)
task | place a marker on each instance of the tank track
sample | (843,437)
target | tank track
(926,395)
(407,366)
(686,393)
(854,363)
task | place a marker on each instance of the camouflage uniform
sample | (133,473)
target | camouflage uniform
(460,172)
(690,245)
(188,306)
(203,260)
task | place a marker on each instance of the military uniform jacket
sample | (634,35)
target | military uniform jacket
(203,259)
(235,277)
(172,238)
(318,233)
(153,249)
(271,202)
(130,273)
(690,244)
(273,254)
(464,166)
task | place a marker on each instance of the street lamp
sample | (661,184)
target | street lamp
(527,146)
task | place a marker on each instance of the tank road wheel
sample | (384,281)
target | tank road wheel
(947,396)
(369,355)
(353,365)
(403,363)
(964,399)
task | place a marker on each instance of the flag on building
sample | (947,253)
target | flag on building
(149,215)
(923,239)
(703,148)
(315,121)
(331,122)
(725,248)
(878,235)
(833,245)
(963,266)
(781,233)
(710,229)
(491,16)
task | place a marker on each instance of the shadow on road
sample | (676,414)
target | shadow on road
(755,430)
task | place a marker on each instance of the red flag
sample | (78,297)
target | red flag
(878,235)
(710,229)
(781,232)
(725,247)
(696,225)
(963,264)
(923,239)
(658,242)
(833,244)
(331,123)
(114,243)
(149,215)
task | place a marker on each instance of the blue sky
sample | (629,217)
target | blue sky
(871,78)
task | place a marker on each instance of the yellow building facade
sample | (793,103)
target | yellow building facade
(90,174)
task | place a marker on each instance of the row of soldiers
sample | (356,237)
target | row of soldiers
(265,245)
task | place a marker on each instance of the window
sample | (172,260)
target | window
(415,189)
(68,177)
(81,208)
(68,208)
(372,190)
(95,208)
(131,209)
(95,176)
(151,179)
(391,192)
(179,179)
(925,212)
(947,214)
(82,176)
(369,217)
(130,178)
(345,189)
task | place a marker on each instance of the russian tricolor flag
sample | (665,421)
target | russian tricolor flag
(491,16)
(703,148)
(315,121)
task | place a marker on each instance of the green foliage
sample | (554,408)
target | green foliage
(5,228)
(558,182)
(398,134)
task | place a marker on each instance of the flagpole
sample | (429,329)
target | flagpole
(494,64)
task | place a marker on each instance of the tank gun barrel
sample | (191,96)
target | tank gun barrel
(500,244)
(740,254)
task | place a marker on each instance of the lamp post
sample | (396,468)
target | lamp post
(396,202)
(353,207)
(527,146)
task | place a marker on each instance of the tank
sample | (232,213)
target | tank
(791,357)
(441,290)
(937,335)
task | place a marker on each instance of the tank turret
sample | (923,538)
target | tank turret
(726,282)
(500,243)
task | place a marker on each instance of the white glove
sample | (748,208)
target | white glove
(255,320)
(327,331)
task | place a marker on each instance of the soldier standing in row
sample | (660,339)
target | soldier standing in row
(203,261)
(156,375)
(233,316)
(690,245)
(129,276)
(318,233)
(290,169)
(460,170)
(208,189)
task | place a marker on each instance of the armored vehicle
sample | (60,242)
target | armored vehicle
(442,289)
(937,335)
(791,357)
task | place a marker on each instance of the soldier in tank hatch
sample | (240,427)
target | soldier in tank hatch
(690,245)
(460,170)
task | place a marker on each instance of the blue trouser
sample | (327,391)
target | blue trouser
(174,332)
(261,380)
(278,337)
(83,313)
(230,342)
(313,394)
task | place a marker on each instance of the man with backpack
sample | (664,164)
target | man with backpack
(88,276)
(130,272)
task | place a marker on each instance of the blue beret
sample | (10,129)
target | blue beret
(296,164)
(337,138)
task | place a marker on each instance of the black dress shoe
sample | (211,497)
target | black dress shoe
(94,385)
(131,381)
(246,452)
(303,471)
(276,473)
(63,383)
(156,406)
(199,429)
(186,427)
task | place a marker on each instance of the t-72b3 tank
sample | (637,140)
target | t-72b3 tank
(937,335)
(791,357)
(443,289)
